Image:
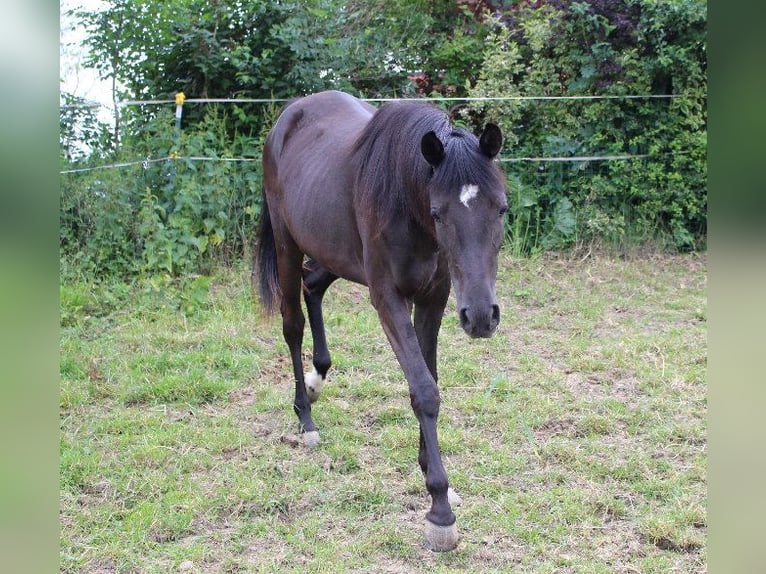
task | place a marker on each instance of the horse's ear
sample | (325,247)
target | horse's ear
(432,149)
(491,141)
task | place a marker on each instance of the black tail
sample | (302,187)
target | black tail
(265,262)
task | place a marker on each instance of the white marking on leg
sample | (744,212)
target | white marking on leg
(467,193)
(314,384)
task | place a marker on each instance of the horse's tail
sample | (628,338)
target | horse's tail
(265,262)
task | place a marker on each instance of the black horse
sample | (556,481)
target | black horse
(403,202)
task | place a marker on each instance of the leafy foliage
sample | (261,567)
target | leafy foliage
(174,216)
(178,216)
(610,49)
(81,134)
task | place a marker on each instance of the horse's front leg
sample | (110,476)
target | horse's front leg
(441,533)
(429,311)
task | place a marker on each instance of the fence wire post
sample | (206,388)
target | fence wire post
(180,97)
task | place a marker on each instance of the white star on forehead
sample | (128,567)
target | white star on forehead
(467,193)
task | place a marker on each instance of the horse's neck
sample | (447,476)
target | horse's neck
(419,209)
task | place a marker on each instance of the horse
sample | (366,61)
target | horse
(397,199)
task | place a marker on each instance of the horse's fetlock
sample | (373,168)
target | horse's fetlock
(322,364)
(436,486)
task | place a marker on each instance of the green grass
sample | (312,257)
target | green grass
(576,436)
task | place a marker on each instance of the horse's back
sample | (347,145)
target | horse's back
(309,177)
(329,118)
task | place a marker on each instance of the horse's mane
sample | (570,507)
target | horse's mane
(391,166)
(393,173)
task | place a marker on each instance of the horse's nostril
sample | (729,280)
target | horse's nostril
(481,323)
(463,314)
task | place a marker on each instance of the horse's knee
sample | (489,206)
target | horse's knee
(425,400)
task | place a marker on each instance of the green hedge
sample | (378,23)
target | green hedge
(175,216)
(182,216)
(610,49)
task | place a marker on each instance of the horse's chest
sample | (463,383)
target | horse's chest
(410,261)
(416,272)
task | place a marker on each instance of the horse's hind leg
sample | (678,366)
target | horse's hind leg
(289,265)
(316,280)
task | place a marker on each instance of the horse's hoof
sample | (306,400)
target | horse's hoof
(441,538)
(311,438)
(314,385)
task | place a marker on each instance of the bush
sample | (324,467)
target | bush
(611,49)
(174,216)
(179,216)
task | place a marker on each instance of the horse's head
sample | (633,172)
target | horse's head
(468,202)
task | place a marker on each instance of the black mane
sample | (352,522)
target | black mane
(390,162)
(393,173)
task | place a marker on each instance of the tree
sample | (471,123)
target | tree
(176,216)
(262,49)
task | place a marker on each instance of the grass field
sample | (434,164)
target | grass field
(576,436)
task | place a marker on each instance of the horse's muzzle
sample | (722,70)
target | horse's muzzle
(479,321)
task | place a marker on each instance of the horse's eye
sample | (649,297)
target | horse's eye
(435,214)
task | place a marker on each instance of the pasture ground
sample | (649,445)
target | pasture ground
(576,436)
